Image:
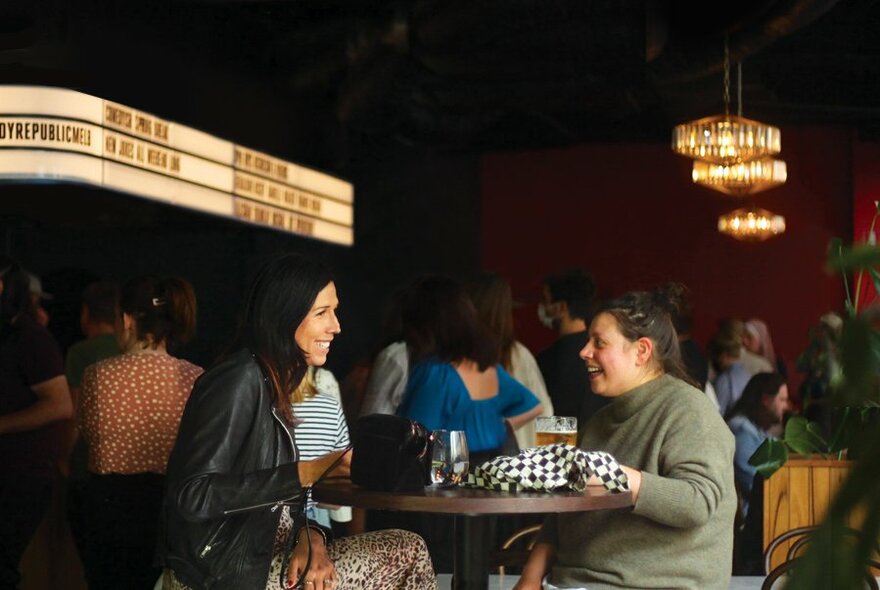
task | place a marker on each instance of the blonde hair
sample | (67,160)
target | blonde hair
(306,389)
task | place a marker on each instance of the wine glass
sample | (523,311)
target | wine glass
(449,457)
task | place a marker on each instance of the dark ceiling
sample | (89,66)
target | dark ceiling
(465,76)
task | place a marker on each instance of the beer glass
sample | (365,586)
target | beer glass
(556,429)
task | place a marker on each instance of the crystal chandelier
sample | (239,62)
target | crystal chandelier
(751,224)
(741,178)
(731,154)
(726,139)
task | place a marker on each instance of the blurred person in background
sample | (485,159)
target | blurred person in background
(34,398)
(757,415)
(455,380)
(98,324)
(567,308)
(456,383)
(492,298)
(731,375)
(128,415)
(756,339)
(38,296)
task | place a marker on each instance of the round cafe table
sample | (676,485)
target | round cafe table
(471,558)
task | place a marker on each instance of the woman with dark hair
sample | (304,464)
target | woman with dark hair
(494,303)
(761,408)
(235,481)
(128,413)
(34,399)
(455,381)
(675,451)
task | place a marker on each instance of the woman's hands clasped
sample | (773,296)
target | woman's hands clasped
(321,574)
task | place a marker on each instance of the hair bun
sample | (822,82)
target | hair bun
(671,297)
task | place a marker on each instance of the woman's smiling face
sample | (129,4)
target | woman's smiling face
(317,330)
(612,360)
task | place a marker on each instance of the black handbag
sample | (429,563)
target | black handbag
(391,453)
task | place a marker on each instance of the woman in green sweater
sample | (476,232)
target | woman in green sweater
(676,451)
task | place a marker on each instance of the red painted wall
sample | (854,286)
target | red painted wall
(630,214)
(866,173)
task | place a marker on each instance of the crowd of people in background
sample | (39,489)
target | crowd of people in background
(109,417)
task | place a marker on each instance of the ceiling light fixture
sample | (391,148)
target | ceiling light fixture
(742,178)
(751,224)
(726,139)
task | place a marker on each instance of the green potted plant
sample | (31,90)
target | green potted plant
(834,559)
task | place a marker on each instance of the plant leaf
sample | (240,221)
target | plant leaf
(769,457)
(859,362)
(875,276)
(861,256)
(804,437)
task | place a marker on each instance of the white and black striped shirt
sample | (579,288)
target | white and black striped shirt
(322,427)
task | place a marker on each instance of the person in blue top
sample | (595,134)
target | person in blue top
(759,411)
(455,381)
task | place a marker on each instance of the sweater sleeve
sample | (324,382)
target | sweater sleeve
(696,464)
(549,532)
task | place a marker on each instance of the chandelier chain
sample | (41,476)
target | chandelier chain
(726,77)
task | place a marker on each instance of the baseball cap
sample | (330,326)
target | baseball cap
(36,287)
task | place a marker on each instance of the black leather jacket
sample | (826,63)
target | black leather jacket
(232,468)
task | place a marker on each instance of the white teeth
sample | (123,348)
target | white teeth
(594,370)
(324,345)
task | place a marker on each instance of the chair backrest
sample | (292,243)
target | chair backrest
(800,537)
(516,548)
(783,568)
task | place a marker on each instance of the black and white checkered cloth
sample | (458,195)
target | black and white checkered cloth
(549,467)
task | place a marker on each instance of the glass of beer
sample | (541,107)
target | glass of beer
(556,429)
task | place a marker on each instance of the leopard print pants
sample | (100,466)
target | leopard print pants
(392,559)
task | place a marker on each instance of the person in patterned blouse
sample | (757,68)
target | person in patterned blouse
(128,414)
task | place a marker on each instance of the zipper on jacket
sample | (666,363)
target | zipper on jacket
(210,544)
(275,504)
(287,432)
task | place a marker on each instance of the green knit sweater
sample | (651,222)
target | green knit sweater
(680,532)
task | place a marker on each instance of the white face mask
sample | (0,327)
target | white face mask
(544,316)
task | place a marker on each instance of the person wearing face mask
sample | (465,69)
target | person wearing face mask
(566,307)
(675,450)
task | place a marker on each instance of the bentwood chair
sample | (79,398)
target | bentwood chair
(800,537)
(515,550)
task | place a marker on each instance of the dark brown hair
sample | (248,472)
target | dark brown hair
(164,308)
(749,404)
(494,303)
(440,321)
(279,298)
(648,314)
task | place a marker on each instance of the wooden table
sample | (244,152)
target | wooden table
(470,565)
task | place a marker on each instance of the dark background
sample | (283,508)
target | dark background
(470,130)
